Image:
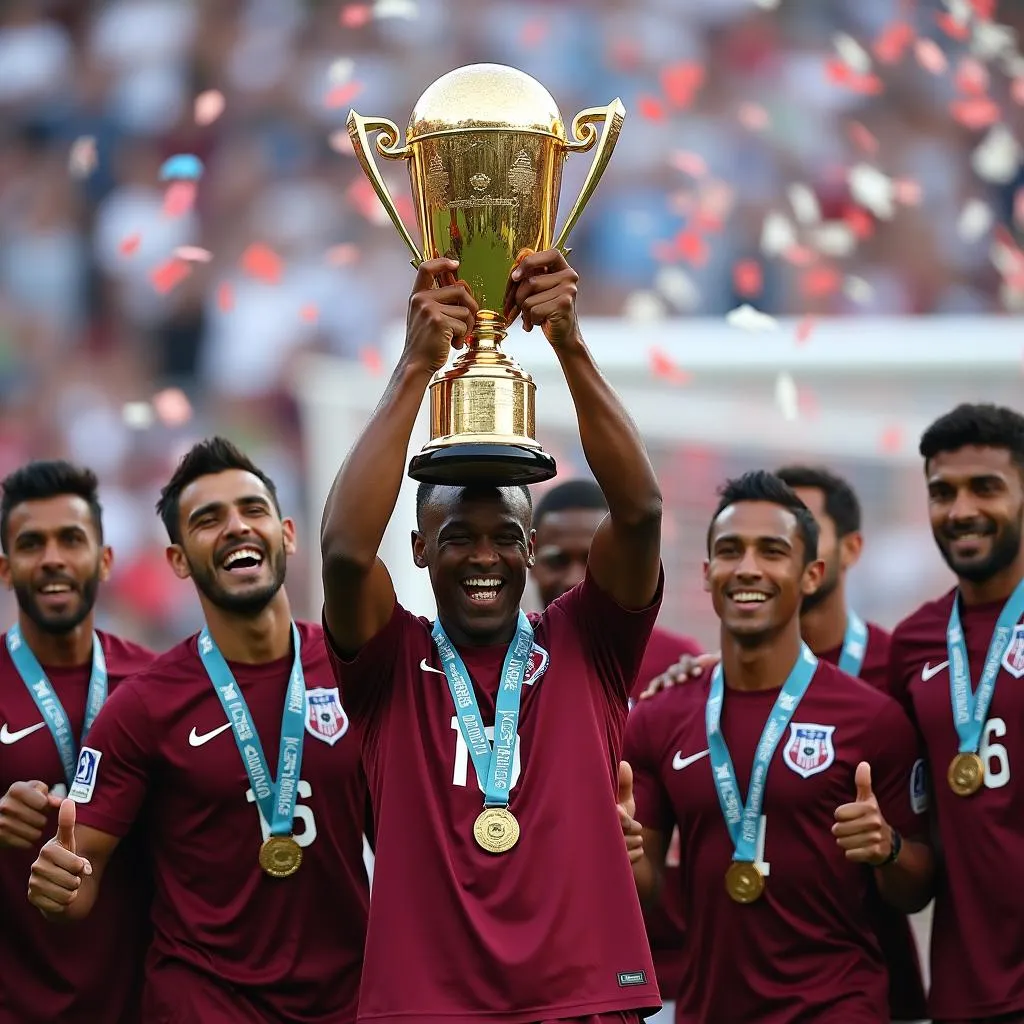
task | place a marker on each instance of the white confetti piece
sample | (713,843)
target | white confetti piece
(767,5)
(998,156)
(804,203)
(678,288)
(974,221)
(340,142)
(777,234)
(172,407)
(209,106)
(404,9)
(990,41)
(786,396)
(1003,258)
(137,415)
(644,307)
(851,53)
(856,289)
(341,70)
(193,254)
(959,10)
(747,318)
(82,158)
(873,190)
(834,238)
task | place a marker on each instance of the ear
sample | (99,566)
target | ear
(850,548)
(707,576)
(531,549)
(106,562)
(178,562)
(419,549)
(814,573)
(288,531)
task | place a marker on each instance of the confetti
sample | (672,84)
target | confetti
(137,415)
(954,29)
(930,56)
(974,221)
(370,358)
(835,238)
(651,108)
(804,329)
(747,279)
(747,318)
(1018,208)
(82,158)
(972,77)
(841,74)
(890,46)
(167,276)
(342,255)
(643,306)
(340,95)
(906,191)
(990,41)
(692,248)
(777,234)
(681,82)
(534,32)
(663,366)
(225,297)
(309,313)
(404,9)
(820,282)
(859,221)
(1017,90)
(193,254)
(872,189)
(753,117)
(678,288)
(786,396)
(891,439)
(689,163)
(862,138)
(208,107)
(804,203)
(800,255)
(767,5)
(857,290)
(998,156)
(182,165)
(340,70)
(354,15)
(340,142)
(179,198)
(172,407)
(261,262)
(129,245)
(852,53)
(975,113)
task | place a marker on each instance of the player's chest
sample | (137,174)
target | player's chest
(27,746)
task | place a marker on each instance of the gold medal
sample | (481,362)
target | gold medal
(744,882)
(496,830)
(280,856)
(966,774)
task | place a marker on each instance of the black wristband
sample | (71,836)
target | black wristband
(897,845)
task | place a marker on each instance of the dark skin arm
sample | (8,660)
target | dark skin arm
(645,847)
(359,596)
(625,556)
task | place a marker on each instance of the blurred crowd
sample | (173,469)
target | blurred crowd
(106,360)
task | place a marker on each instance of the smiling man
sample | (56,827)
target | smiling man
(56,669)
(790,784)
(958,663)
(502,894)
(235,749)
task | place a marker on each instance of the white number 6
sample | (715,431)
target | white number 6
(997,762)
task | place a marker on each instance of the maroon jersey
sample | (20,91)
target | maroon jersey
(61,974)
(806,951)
(664,649)
(551,929)
(225,934)
(906,983)
(977,946)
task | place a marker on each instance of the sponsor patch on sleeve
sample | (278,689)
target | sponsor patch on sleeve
(919,787)
(85,776)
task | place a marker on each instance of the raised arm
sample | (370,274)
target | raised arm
(625,556)
(358,593)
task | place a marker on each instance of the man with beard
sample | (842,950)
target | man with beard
(262,894)
(958,663)
(56,669)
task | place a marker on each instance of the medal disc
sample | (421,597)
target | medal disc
(280,856)
(744,882)
(966,774)
(496,830)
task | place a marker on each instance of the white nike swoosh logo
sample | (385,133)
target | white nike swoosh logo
(429,668)
(679,762)
(6,736)
(927,671)
(195,740)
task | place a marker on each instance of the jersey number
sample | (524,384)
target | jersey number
(461,770)
(997,762)
(307,833)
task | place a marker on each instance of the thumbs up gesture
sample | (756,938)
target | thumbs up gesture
(860,829)
(58,870)
(626,806)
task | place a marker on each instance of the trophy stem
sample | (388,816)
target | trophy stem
(488,333)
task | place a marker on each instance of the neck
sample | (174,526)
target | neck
(823,627)
(760,666)
(61,650)
(463,638)
(996,588)
(252,639)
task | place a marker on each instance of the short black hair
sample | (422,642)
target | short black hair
(760,485)
(49,478)
(425,490)
(573,494)
(214,455)
(841,503)
(982,424)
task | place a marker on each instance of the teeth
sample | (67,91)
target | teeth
(56,588)
(749,596)
(242,553)
(483,595)
(483,581)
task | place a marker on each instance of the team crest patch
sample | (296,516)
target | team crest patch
(809,749)
(325,717)
(1013,659)
(536,665)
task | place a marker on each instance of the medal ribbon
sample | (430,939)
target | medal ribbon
(741,819)
(48,702)
(493,765)
(970,708)
(855,645)
(275,799)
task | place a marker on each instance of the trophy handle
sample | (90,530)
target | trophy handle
(584,137)
(387,145)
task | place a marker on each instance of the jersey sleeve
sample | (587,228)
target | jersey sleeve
(897,681)
(115,767)
(640,750)
(898,772)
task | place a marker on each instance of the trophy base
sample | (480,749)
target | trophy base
(482,464)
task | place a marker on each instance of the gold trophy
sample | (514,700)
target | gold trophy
(485,146)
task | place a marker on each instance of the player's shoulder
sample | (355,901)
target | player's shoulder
(838,688)
(670,645)
(124,657)
(878,638)
(926,624)
(674,703)
(174,667)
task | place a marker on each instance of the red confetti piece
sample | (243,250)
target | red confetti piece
(1017,90)
(930,56)
(747,279)
(651,108)
(840,73)
(906,191)
(355,15)
(343,255)
(309,313)
(663,252)
(753,117)
(370,358)
(689,163)
(692,248)
(130,244)
(975,114)
(209,106)
(664,367)
(341,94)
(681,82)
(984,9)
(860,222)
(260,261)
(169,275)
(892,43)
(225,297)
(804,329)
(819,282)
(891,439)
(172,407)
(862,138)
(179,198)
(534,32)
(954,29)
(972,77)
(799,255)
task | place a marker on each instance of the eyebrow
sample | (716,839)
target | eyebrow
(36,534)
(770,538)
(216,506)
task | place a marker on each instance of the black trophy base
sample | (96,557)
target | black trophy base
(488,465)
